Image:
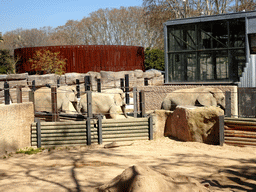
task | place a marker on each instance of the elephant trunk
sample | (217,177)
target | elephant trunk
(124,111)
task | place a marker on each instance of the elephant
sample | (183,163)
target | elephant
(200,96)
(105,104)
(66,99)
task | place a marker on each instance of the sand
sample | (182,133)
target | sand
(83,168)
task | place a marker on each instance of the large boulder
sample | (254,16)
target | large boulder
(141,178)
(190,123)
(42,80)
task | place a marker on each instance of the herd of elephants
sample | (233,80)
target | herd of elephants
(111,102)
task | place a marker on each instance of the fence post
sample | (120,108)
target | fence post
(88,131)
(6,93)
(99,85)
(221,130)
(150,123)
(77,88)
(55,115)
(89,103)
(87,83)
(19,94)
(99,129)
(58,83)
(38,132)
(142,103)
(228,104)
(33,85)
(135,102)
(145,81)
(122,84)
(127,99)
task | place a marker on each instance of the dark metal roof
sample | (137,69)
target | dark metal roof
(211,18)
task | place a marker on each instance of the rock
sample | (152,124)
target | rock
(42,80)
(21,76)
(190,123)
(140,178)
(72,77)
(138,73)
(159,120)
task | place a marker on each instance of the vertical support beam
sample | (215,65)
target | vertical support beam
(127,99)
(88,131)
(6,93)
(142,103)
(54,104)
(38,132)
(19,94)
(31,97)
(228,104)
(89,104)
(77,88)
(145,81)
(87,83)
(99,129)
(135,103)
(253,103)
(122,84)
(99,85)
(150,124)
(221,130)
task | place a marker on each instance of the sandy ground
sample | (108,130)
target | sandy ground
(225,168)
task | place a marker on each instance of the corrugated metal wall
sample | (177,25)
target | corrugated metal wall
(84,58)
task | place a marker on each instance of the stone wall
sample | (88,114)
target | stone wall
(109,79)
(15,127)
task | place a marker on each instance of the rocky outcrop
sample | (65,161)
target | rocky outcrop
(198,124)
(141,178)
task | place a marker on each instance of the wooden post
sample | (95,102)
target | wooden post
(33,85)
(221,130)
(99,85)
(58,83)
(150,124)
(89,104)
(19,94)
(145,81)
(127,99)
(99,129)
(135,102)
(77,88)
(142,103)
(88,131)
(38,132)
(55,116)
(87,83)
(228,104)
(6,93)
(122,84)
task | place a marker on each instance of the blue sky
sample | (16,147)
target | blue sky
(28,14)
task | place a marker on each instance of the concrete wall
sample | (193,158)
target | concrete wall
(15,126)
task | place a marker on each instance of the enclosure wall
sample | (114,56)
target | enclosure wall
(85,58)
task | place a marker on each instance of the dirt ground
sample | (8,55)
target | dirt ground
(83,168)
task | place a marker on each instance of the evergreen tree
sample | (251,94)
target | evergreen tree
(154,59)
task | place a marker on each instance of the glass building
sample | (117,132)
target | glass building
(210,49)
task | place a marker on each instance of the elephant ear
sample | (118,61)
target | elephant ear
(206,98)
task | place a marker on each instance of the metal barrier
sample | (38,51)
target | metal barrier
(90,131)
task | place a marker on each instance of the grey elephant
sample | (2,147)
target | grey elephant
(200,96)
(105,104)
(66,99)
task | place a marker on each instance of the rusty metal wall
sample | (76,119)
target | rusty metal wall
(85,58)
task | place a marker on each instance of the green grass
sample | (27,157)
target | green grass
(30,151)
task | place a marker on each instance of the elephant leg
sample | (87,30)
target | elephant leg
(113,112)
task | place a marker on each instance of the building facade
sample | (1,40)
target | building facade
(216,49)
